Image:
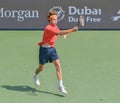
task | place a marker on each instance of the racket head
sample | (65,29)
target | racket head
(81,21)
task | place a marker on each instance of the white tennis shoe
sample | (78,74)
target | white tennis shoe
(36,80)
(62,89)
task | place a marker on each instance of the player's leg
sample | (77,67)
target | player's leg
(42,61)
(58,69)
(38,70)
(59,75)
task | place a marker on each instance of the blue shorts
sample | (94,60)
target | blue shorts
(47,55)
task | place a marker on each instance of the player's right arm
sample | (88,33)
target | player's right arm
(65,32)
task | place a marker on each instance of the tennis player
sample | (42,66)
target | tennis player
(47,51)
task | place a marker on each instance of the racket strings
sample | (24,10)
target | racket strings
(81,21)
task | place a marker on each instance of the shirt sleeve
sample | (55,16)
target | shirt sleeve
(55,30)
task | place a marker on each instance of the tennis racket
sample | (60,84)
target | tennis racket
(81,21)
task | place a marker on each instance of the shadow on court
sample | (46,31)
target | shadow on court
(30,90)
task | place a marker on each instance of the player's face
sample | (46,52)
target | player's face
(53,21)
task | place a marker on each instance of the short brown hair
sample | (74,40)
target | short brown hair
(52,12)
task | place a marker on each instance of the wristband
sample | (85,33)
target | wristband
(69,30)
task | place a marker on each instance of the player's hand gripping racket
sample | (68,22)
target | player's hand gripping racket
(81,21)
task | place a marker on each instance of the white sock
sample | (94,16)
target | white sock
(60,83)
(35,75)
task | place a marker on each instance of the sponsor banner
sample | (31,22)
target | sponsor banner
(29,14)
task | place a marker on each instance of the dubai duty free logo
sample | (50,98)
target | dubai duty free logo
(116,18)
(60,11)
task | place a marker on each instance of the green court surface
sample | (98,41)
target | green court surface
(90,64)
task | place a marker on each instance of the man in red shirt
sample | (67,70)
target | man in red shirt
(47,51)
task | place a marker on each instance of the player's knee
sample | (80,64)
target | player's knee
(41,67)
(58,67)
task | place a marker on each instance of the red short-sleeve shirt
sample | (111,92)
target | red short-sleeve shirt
(50,35)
